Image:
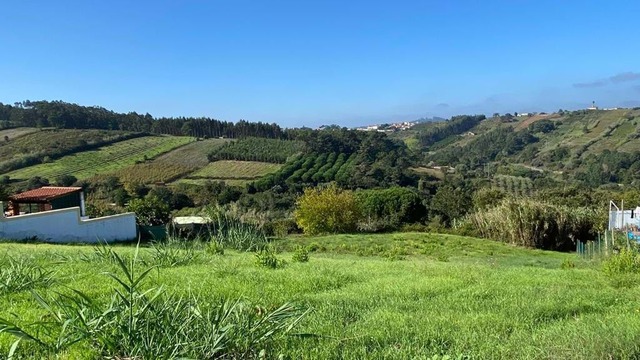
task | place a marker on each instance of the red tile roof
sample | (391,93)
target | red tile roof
(44,194)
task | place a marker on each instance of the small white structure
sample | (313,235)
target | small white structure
(190,222)
(67,226)
(621,219)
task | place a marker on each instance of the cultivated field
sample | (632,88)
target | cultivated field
(172,165)
(27,147)
(232,172)
(391,296)
(105,159)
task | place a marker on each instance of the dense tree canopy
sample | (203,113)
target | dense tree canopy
(64,115)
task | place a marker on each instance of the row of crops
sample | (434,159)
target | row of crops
(172,165)
(258,149)
(105,159)
(515,185)
(26,148)
(311,169)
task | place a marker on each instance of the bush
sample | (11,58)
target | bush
(626,261)
(326,210)
(388,209)
(150,211)
(214,248)
(267,258)
(567,264)
(300,255)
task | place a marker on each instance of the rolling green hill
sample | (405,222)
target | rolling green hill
(106,159)
(559,145)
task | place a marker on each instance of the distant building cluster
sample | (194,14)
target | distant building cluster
(594,107)
(399,126)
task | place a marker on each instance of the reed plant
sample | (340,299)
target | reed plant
(23,273)
(149,323)
(532,223)
(230,232)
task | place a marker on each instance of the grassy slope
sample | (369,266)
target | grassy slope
(463,296)
(106,159)
(45,142)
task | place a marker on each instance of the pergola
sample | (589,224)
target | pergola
(46,198)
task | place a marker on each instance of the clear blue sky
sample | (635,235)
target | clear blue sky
(321,62)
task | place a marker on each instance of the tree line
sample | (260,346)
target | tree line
(65,115)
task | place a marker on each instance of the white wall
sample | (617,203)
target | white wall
(65,226)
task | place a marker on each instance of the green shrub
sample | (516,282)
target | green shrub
(173,252)
(267,258)
(625,261)
(388,209)
(326,210)
(214,248)
(567,264)
(150,211)
(301,254)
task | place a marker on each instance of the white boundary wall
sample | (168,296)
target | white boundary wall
(66,226)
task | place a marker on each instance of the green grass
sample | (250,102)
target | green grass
(450,295)
(103,160)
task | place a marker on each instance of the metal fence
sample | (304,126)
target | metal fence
(607,243)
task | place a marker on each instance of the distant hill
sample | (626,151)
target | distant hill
(595,146)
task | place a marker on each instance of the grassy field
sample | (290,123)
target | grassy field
(103,160)
(172,165)
(15,133)
(27,143)
(232,172)
(391,296)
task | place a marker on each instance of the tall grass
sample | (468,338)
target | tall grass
(174,251)
(23,273)
(531,223)
(147,323)
(230,232)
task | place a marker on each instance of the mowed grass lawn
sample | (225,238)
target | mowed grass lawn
(415,296)
(105,159)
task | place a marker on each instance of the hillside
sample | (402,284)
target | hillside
(569,144)
(85,164)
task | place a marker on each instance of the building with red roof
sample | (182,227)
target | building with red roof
(46,198)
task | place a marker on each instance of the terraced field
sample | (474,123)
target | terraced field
(172,165)
(105,159)
(232,172)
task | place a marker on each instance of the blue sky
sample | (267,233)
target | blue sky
(321,62)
